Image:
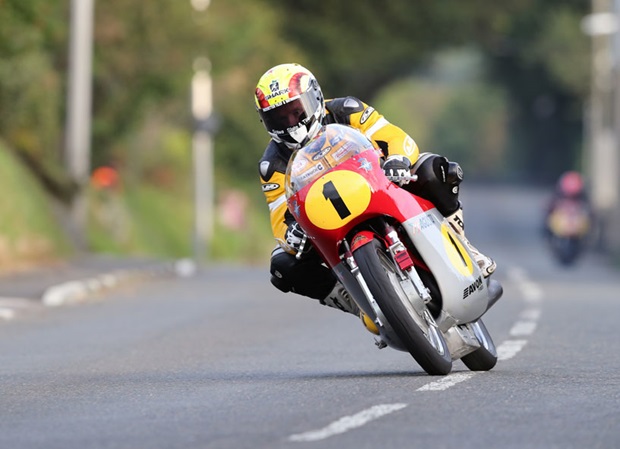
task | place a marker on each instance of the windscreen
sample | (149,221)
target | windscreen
(332,146)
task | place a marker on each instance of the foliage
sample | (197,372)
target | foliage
(144,53)
(527,97)
(29,229)
(31,34)
(449,111)
(155,222)
(534,49)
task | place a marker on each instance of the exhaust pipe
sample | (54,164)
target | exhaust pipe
(495,292)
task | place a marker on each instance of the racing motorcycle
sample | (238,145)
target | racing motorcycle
(395,254)
(568,226)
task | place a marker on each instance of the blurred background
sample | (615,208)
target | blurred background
(129,127)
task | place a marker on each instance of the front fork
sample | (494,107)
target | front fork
(410,280)
(407,271)
(461,340)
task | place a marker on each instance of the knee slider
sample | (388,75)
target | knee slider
(280,269)
(307,277)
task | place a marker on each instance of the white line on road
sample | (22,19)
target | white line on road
(508,349)
(523,328)
(347,423)
(530,314)
(447,382)
(6,314)
(531,292)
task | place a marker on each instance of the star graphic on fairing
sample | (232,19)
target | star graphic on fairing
(365,164)
(296,209)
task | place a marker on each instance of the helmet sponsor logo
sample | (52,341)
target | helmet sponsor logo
(367,113)
(269,187)
(274,86)
(277,93)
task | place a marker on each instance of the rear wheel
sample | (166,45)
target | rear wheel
(419,335)
(485,357)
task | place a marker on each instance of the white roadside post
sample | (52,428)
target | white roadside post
(202,109)
(79,93)
(604,115)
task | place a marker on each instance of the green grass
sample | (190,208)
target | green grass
(29,230)
(148,221)
(140,220)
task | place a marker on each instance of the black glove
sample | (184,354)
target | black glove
(297,239)
(397,169)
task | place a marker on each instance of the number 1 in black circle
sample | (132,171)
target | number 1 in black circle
(330,193)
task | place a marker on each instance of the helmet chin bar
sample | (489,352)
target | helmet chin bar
(300,134)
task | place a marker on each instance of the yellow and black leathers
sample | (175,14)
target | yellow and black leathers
(348,111)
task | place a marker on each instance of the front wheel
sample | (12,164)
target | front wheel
(485,357)
(424,341)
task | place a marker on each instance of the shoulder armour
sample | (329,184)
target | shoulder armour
(342,108)
(273,160)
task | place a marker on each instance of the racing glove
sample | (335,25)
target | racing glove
(397,168)
(297,240)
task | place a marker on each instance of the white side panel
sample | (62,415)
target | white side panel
(462,286)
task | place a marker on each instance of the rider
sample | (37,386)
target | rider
(570,187)
(291,106)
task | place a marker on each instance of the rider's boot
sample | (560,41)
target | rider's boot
(339,298)
(486,264)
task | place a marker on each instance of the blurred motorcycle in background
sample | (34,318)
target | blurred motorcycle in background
(569,220)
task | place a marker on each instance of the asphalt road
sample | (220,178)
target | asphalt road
(223,360)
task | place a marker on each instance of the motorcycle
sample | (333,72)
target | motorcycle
(568,225)
(395,254)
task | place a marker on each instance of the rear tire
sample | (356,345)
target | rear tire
(426,344)
(485,357)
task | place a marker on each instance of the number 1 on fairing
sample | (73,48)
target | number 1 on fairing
(330,193)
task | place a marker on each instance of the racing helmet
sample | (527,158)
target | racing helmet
(290,104)
(571,184)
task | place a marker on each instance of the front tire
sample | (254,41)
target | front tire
(424,342)
(485,357)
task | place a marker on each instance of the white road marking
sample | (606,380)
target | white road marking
(523,328)
(447,382)
(509,349)
(531,292)
(347,423)
(530,314)
(526,326)
(6,314)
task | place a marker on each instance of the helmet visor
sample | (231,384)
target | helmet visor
(284,118)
